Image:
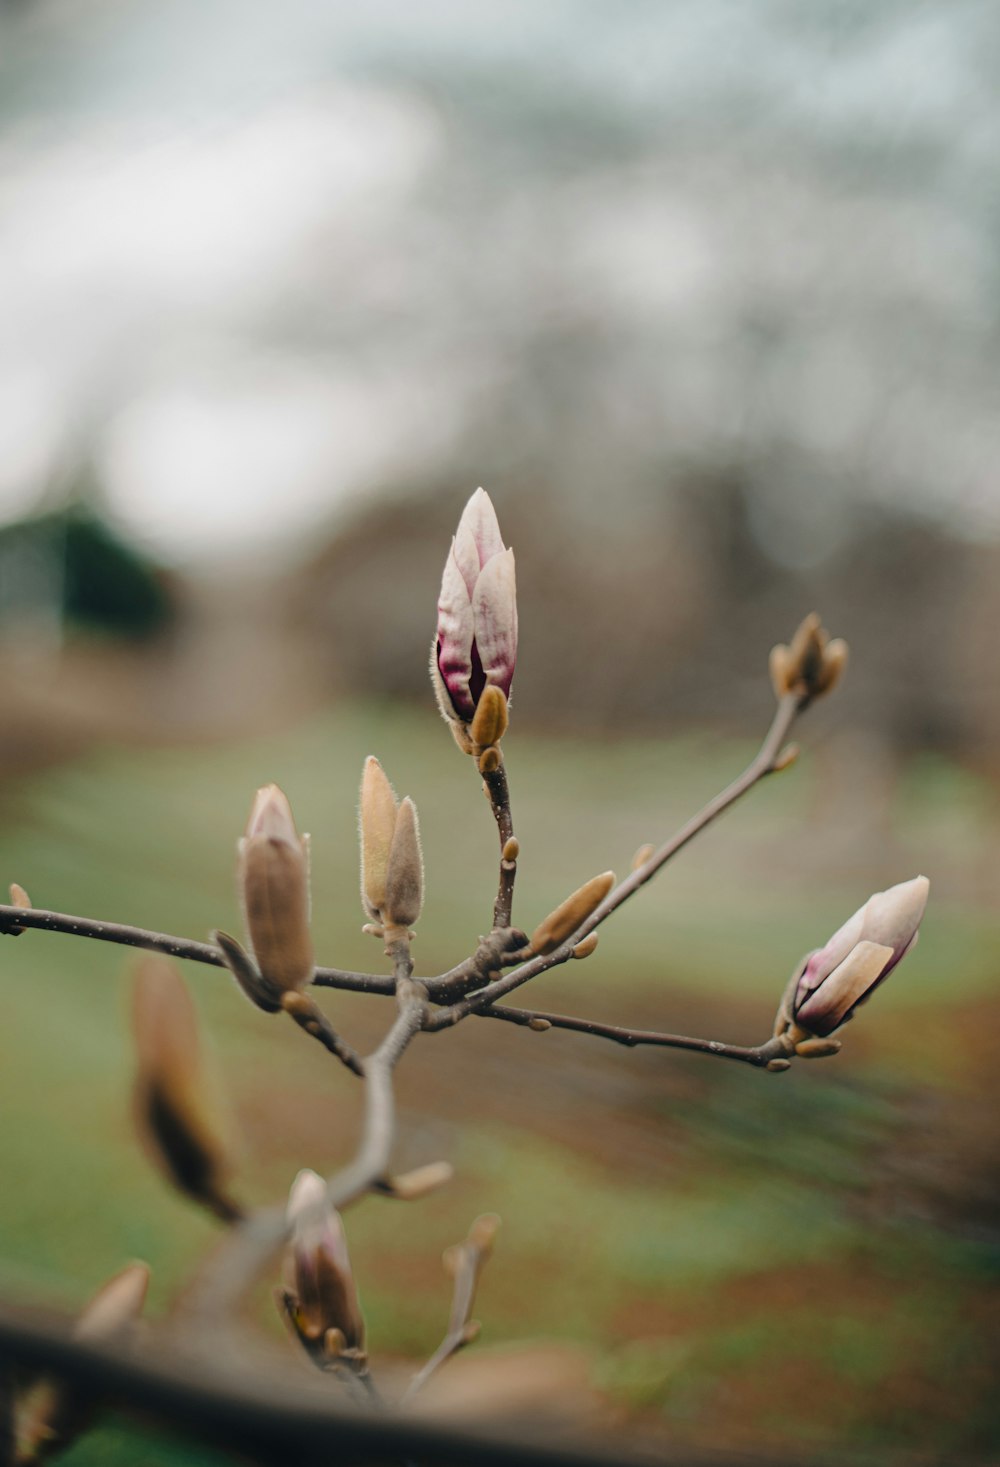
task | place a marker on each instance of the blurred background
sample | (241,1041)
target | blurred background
(707,295)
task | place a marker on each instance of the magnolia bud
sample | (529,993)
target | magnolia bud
(476,642)
(274,885)
(490,721)
(173,1111)
(404,877)
(322,1297)
(568,916)
(835,979)
(377,820)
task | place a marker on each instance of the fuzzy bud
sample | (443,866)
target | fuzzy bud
(569,915)
(404,877)
(476,642)
(174,1114)
(377,820)
(834,980)
(490,721)
(274,885)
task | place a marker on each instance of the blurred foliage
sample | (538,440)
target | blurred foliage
(753,1260)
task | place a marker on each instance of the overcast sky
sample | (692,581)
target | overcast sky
(259,261)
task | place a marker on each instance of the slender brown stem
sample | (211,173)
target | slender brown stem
(467,1261)
(14,918)
(761,765)
(759,1055)
(254,1242)
(498,791)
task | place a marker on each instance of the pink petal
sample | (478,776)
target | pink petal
(455,631)
(494,610)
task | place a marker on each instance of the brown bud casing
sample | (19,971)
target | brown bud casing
(274,885)
(586,947)
(411,1186)
(489,760)
(642,855)
(489,723)
(404,878)
(571,913)
(173,1111)
(810,665)
(377,820)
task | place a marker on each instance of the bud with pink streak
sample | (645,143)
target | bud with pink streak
(860,955)
(476,642)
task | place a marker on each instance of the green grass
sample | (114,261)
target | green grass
(739,1179)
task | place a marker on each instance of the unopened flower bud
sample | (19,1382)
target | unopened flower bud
(322,1296)
(377,820)
(173,1110)
(476,642)
(810,665)
(568,916)
(404,877)
(274,886)
(835,979)
(410,1186)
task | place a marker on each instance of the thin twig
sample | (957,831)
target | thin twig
(759,1055)
(498,791)
(254,1242)
(466,1262)
(12,918)
(761,765)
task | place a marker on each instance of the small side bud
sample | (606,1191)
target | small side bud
(511,851)
(489,723)
(377,821)
(173,1112)
(411,1186)
(262,994)
(489,760)
(569,915)
(776,1065)
(539,1025)
(18,898)
(404,877)
(586,947)
(274,885)
(786,758)
(642,855)
(816,1048)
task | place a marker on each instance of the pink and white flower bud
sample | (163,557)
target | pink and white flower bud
(325,1298)
(838,977)
(476,643)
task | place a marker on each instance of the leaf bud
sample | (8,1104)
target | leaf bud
(586,947)
(410,1186)
(570,914)
(642,855)
(489,723)
(810,665)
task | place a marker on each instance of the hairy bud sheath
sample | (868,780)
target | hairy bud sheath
(322,1302)
(273,869)
(476,642)
(567,917)
(392,872)
(860,955)
(174,1114)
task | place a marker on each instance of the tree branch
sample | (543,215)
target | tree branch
(761,765)
(498,792)
(759,1056)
